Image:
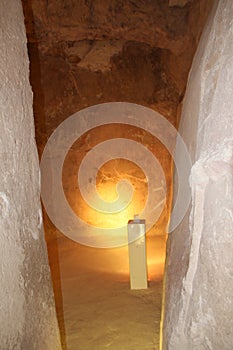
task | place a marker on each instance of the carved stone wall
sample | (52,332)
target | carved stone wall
(27,312)
(199,273)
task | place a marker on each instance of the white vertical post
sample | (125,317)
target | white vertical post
(137,253)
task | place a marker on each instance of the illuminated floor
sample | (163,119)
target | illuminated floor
(99,310)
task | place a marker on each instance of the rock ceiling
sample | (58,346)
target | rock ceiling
(143,48)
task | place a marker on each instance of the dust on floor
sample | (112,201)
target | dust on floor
(96,309)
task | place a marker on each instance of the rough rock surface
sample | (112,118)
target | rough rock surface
(199,272)
(27,312)
(89,52)
(58,29)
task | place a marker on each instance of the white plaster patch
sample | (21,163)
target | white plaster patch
(35,234)
(4,205)
(40,219)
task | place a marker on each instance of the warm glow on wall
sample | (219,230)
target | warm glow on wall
(109,183)
(109,175)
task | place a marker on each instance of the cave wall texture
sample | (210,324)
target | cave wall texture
(199,273)
(87,52)
(27,317)
(83,53)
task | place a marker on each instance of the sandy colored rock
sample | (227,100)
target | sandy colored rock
(27,316)
(87,53)
(199,274)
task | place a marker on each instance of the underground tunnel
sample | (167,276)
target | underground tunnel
(124,73)
(85,54)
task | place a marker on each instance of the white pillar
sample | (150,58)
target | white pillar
(137,253)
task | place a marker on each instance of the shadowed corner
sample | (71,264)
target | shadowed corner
(55,268)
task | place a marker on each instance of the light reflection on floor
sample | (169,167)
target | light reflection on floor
(96,308)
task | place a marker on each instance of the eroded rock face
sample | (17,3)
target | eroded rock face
(91,52)
(27,316)
(90,37)
(180,3)
(199,281)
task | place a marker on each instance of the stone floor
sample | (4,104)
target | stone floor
(96,308)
